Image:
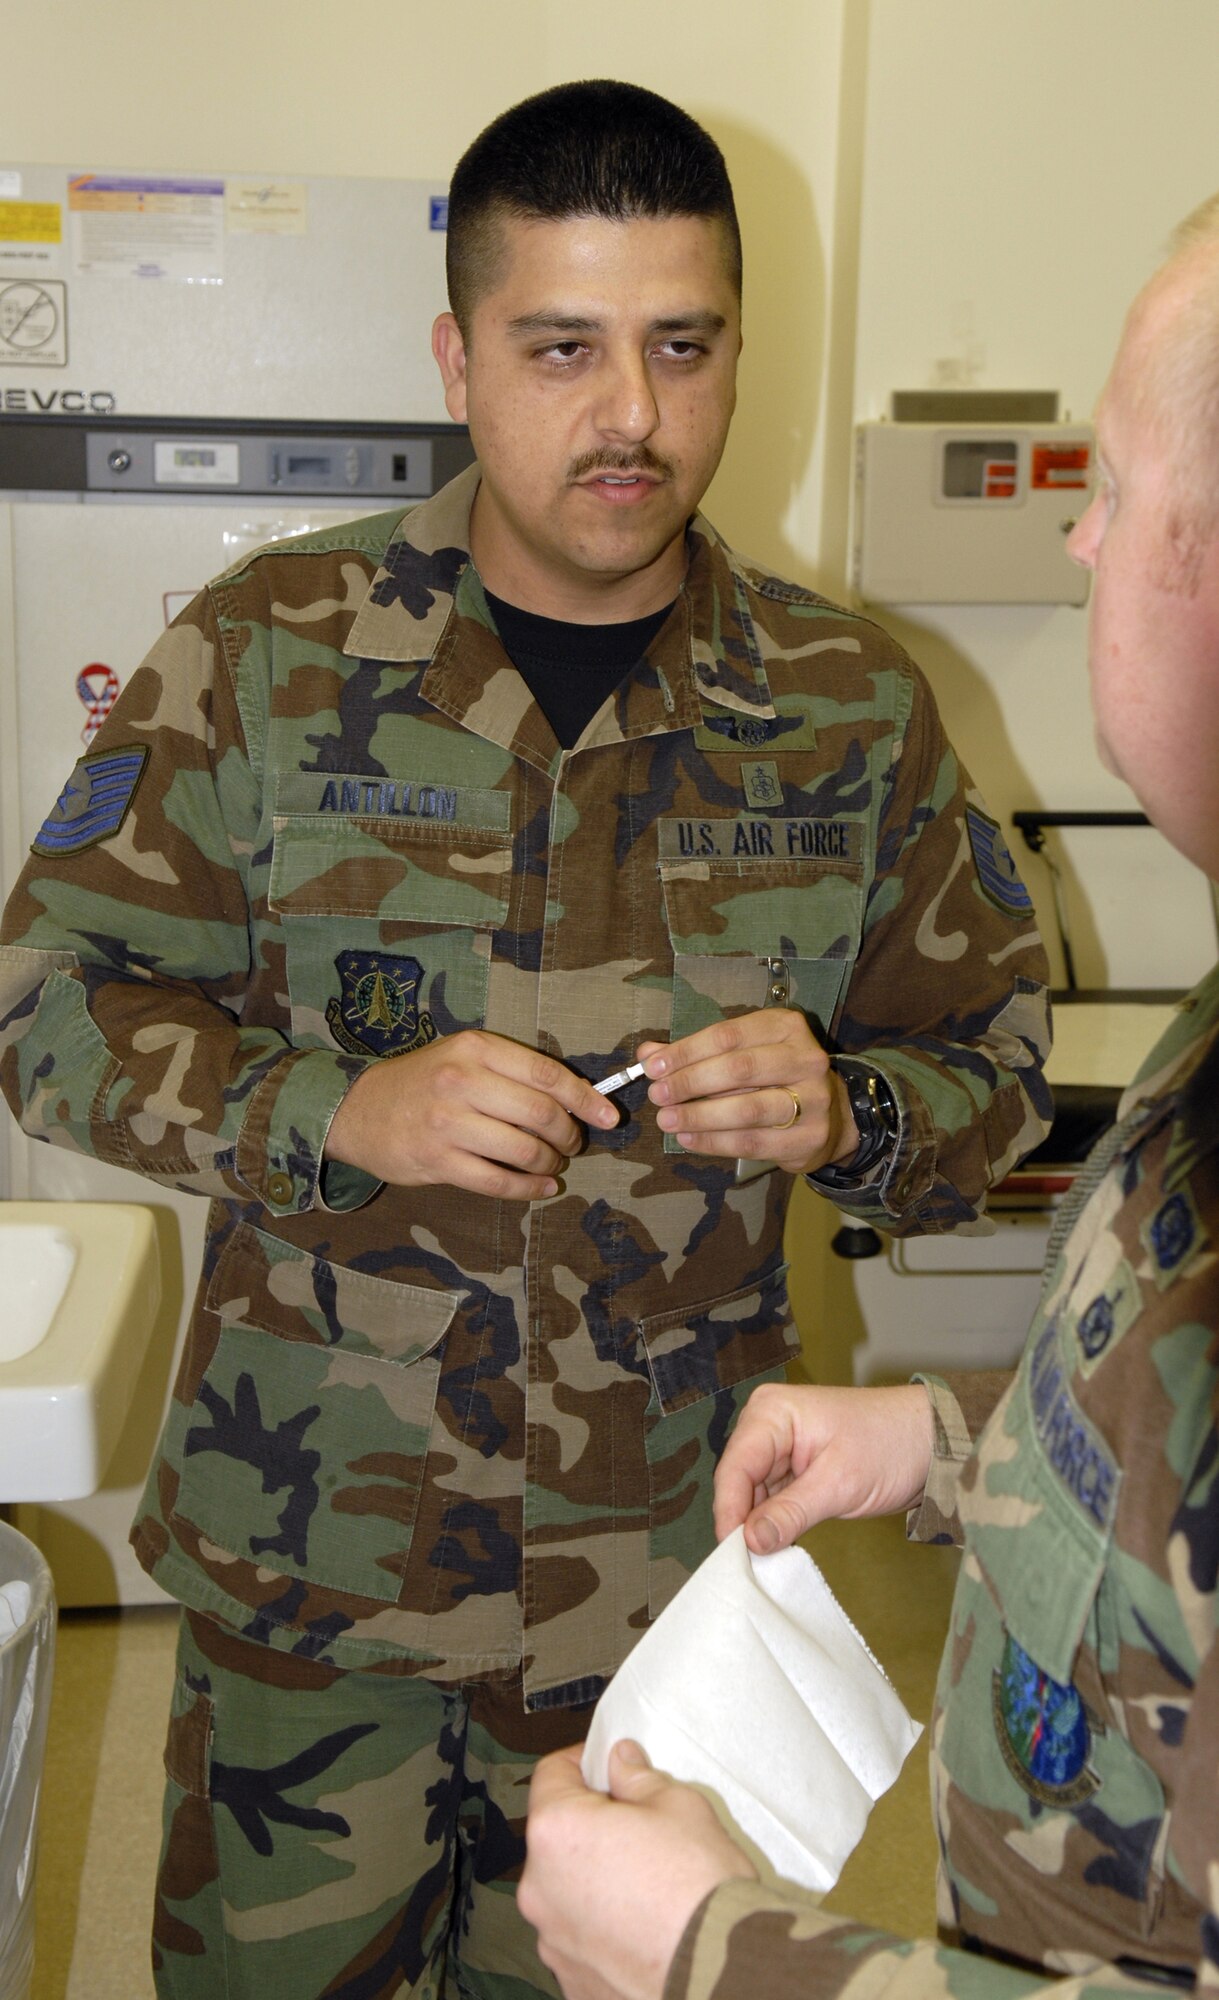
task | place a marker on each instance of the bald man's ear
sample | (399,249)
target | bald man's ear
(450,351)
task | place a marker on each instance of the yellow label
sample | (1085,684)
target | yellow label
(30,222)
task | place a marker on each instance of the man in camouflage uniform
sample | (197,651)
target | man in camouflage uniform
(1075,1742)
(334,927)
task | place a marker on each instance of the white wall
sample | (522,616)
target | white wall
(1025,161)
(367,87)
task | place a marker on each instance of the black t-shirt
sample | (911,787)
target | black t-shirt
(570,669)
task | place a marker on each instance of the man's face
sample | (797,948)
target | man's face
(1154,629)
(598,383)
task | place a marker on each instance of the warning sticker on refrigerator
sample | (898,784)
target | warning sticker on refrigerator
(31,235)
(124,226)
(33,322)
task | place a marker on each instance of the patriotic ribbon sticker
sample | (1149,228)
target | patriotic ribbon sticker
(98,687)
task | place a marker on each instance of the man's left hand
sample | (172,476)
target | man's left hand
(611,1883)
(758,1087)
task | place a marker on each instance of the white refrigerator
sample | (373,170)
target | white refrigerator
(189,368)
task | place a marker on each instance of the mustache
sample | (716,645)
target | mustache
(605,459)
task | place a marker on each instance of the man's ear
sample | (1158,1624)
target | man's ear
(450,351)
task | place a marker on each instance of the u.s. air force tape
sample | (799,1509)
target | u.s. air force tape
(747,837)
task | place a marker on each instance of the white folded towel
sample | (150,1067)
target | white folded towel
(755,1685)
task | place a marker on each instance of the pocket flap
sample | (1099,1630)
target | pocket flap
(426,871)
(263,1282)
(699,1349)
(797,908)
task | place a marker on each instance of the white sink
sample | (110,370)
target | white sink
(80,1283)
(37,1268)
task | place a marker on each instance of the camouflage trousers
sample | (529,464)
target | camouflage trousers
(336,1835)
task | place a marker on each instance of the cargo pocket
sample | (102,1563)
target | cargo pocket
(388,924)
(718,1351)
(305,1448)
(188,1921)
(750,933)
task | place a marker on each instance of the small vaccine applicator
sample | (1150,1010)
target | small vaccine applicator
(619,1077)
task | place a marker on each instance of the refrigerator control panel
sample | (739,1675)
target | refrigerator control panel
(144,462)
(194,459)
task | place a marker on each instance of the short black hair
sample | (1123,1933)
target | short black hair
(591,148)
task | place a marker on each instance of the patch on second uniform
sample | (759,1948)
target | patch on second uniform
(1043,1731)
(94,802)
(376,1012)
(1107,1316)
(996,869)
(1172,1236)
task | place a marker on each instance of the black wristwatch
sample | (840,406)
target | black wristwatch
(874,1109)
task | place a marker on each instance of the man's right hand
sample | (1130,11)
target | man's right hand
(802,1454)
(472,1111)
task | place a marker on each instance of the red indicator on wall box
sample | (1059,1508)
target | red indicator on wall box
(999,479)
(1060,467)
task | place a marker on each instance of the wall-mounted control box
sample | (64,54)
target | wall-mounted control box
(969,501)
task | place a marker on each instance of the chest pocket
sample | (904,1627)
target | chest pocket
(787,912)
(388,917)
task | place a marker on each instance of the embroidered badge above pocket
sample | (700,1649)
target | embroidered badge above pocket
(762,785)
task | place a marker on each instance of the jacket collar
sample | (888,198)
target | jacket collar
(1180,1081)
(427,595)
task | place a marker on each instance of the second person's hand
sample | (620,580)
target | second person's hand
(803,1453)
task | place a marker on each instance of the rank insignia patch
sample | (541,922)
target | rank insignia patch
(93,804)
(996,869)
(1043,1732)
(376,1012)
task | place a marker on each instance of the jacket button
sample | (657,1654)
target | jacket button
(280,1189)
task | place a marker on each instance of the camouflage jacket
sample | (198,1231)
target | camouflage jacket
(1075,1742)
(421,1430)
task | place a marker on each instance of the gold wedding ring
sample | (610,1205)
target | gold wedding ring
(795,1109)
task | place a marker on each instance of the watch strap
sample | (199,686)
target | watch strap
(874,1109)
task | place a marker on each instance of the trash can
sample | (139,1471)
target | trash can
(27,1652)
